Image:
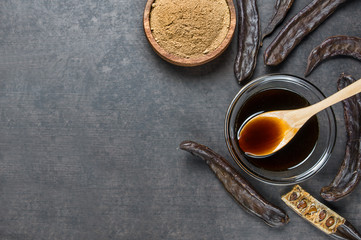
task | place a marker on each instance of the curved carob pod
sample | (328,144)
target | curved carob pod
(281,9)
(237,186)
(334,46)
(349,173)
(307,20)
(248,39)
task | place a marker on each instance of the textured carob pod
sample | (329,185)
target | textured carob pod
(248,39)
(307,20)
(349,173)
(334,46)
(281,9)
(237,186)
(319,215)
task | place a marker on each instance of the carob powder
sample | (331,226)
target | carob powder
(189,28)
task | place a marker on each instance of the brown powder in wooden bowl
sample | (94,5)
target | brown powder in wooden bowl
(189,28)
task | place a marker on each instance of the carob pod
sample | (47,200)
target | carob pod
(319,215)
(347,231)
(248,39)
(334,46)
(281,9)
(349,173)
(237,186)
(307,20)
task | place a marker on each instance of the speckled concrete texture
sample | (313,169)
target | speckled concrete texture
(91,118)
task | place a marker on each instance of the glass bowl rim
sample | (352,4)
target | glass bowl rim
(323,159)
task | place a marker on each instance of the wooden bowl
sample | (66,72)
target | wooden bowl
(188,62)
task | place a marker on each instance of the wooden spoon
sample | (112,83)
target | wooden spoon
(268,132)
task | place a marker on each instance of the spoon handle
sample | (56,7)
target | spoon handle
(300,116)
(346,92)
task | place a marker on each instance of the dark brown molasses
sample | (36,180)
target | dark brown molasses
(299,148)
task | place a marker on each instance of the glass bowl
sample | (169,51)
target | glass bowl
(321,150)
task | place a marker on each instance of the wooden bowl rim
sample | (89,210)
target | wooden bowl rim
(189,62)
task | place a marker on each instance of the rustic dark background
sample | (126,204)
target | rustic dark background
(91,118)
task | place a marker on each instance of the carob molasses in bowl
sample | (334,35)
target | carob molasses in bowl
(306,153)
(189,32)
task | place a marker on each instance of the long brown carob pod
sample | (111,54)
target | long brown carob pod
(334,46)
(281,9)
(248,39)
(237,186)
(349,173)
(307,20)
(319,215)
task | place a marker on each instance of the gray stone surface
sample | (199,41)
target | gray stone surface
(91,118)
